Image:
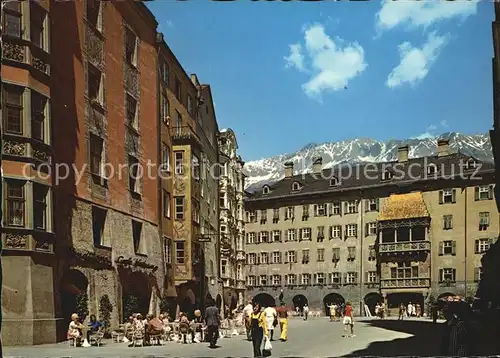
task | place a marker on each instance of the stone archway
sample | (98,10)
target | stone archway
(397,298)
(299,301)
(136,293)
(332,298)
(264,299)
(371,300)
(74,286)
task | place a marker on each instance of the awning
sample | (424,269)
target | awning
(404,206)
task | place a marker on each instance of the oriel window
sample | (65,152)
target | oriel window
(13,115)
(15,203)
(12,19)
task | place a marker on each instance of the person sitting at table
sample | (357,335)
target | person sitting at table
(94,326)
(196,324)
(184,327)
(139,323)
(75,328)
(129,328)
(153,327)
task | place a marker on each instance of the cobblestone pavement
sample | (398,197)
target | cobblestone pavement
(315,338)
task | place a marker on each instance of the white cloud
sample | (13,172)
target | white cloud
(295,58)
(424,14)
(430,131)
(444,123)
(332,62)
(415,62)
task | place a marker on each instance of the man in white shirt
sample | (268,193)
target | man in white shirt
(247,311)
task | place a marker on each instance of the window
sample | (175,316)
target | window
(484,192)
(263,280)
(263,216)
(334,278)
(372,253)
(335,254)
(276,257)
(447,247)
(470,164)
(291,235)
(372,205)
(321,233)
(136,235)
(371,228)
(447,275)
(98,224)
(291,257)
(130,47)
(371,277)
(165,109)
(263,236)
(431,169)
(222,200)
(477,274)
(277,236)
(305,256)
(132,112)
(305,233)
(165,158)
(167,250)
(447,222)
(95,85)
(295,186)
(291,279)
(179,208)
(482,245)
(96,154)
(15,203)
(40,206)
(178,123)
(320,278)
(223,229)
(190,105)
(334,181)
(351,230)
(289,213)
(251,280)
(320,210)
(251,238)
(265,190)
(387,175)
(223,267)
(276,280)
(252,216)
(179,162)
(351,253)
(321,255)
(134,174)
(306,279)
(336,209)
(447,196)
(165,73)
(335,232)
(178,89)
(179,252)
(404,270)
(196,167)
(351,278)
(352,207)
(166,204)
(484,221)
(276,215)
(251,259)
(38,103)
(305,212)
(12,24)
(13,114)
(37,19)
(94,13)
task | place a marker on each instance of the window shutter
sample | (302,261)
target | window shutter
(340,209)
(315,278)
(476,193)
(454,196)
(366,229)
(300,279)
(377,201)
(440,197)
(356,230)
(366,277)
(295,257)
(344,279)
(340,232)
(330,209)
(453,247)
(454,271)
(356,276)
(441,248)
(286,258)
(345,207)
(367,204)
(476,246)
(440,275)
(286,280)
(490,192)
(315,210)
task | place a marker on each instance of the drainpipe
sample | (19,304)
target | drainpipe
(363,234)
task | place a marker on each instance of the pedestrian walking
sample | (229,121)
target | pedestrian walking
(306,312)
(247,311)
(402,310)
(271,320)
(259,329)
(283,319)
(348,320)
(212,321)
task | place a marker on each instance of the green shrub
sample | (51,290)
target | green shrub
(130,306)
(105,309)
(82,306)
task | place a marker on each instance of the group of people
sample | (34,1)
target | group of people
(458,336)
(412,310)
(76,328)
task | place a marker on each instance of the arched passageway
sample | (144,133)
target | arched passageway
(332,298)
(398,298)
(73,290)
(264,299)
(299,301)
(136,293)
(372,299)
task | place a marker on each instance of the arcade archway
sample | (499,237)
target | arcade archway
(394,300)
(372,299)
(264,299)
(136,293)
(299,301)
(73,288)
(332,298)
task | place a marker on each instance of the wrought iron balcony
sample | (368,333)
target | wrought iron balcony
(184,135)
(410,246)
(405,282)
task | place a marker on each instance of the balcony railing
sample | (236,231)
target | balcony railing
(409,246)
(405,282)
(184,134)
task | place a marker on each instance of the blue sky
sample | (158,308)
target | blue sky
(287,74)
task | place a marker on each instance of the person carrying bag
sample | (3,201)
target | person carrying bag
(259,329)
(266,351)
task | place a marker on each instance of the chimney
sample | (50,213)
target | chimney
(288,169)
(317,165)
(403,154)
(443,147)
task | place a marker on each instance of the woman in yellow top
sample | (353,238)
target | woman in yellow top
(259,329)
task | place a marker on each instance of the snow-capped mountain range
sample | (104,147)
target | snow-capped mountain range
(269,170)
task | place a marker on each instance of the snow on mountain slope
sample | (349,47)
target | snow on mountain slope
(269,170)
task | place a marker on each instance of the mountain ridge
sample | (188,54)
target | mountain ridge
(359,150)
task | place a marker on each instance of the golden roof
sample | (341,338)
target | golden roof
(404,206)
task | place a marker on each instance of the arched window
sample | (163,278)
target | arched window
(431,169)
(334,181)
(470,164)
(387,175)
(265,190)
(295,186)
